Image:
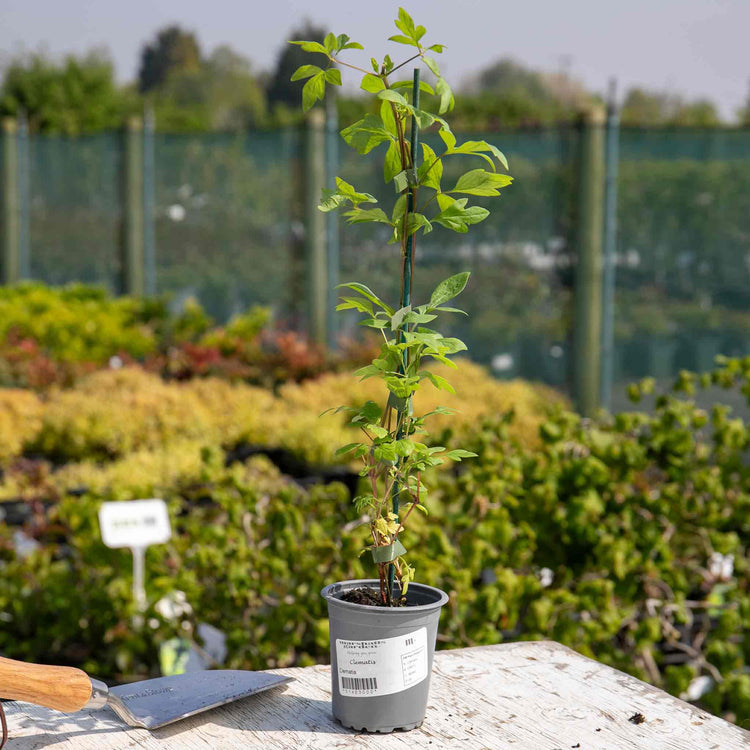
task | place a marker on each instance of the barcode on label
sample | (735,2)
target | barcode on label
(409,642)
(359,683)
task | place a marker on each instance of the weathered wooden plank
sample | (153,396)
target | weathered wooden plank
(527,696)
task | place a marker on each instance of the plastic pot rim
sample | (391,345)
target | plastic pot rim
(329,593)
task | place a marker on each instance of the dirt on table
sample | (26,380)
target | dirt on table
(369,597)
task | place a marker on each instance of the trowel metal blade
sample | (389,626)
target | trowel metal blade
(153,703)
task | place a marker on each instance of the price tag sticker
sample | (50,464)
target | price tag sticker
(137,523)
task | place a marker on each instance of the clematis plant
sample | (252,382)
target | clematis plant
(393,449)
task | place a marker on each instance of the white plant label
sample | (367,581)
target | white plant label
(138,523)
(381,667)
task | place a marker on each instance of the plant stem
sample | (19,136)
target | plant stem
(407,269)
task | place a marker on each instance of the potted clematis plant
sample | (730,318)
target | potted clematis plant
(383,630)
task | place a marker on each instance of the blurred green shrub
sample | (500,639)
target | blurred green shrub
(623,537)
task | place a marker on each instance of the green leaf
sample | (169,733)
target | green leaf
(439,382)
(305,71)
(431,169)
(457,217)
(330,42)
(393,96)
(423,86)
(404,447)
(356,303)
(415,222)
(458,454)
(443,90)
(432,65)
(404,23)
(372,83)
(398,317)
(449,288)
(333,75)
(368,294)
(312,47)
(448,138)
(480,148)
(370,412)
(436,48)
(332,199)
(388,119)
(313,90)
(361,215)
(366,133)
(352,45)
(398,209)
(346,448)
(392,164)
(402,40)
(481,182)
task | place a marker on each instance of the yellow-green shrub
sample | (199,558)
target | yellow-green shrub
(478,395)
(114,412)
(20,420)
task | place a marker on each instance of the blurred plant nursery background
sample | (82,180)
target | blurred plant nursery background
(167,329)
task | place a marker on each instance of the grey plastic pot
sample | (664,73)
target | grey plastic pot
(381,657)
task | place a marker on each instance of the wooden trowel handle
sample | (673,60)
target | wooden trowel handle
(62,688)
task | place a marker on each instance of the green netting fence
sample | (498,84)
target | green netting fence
(225,218)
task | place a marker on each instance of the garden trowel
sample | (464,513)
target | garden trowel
(150,704)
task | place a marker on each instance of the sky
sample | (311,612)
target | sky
(697,48)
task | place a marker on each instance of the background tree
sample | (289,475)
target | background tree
(509,94)
(173,51)
(280,89)
(644,108)
(75,95)
(221,94)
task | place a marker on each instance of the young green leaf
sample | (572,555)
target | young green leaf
(443,90)
(368,294)
(312,47)
(361,215)
(439,382)
(392,96)
(333,75)
(392,164)
(366,133)
(305,71)
(431,169)
(372,83)
(313,90)
(330,42)
(449,288)
(481,182)
(432,65)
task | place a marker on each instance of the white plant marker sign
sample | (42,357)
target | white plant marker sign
(136,524)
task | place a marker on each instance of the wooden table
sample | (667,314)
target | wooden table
(527,696)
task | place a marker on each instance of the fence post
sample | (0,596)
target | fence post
(149,203)
(610,249)
(132,276)
(316,265)
(587,322)
(10,204)
(24,199)
(332,218)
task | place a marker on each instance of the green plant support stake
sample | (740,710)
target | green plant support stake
(408,262)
